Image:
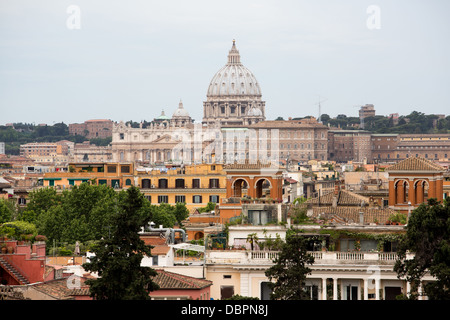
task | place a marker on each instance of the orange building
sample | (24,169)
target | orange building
(255,181)
(116,175)
(412,181)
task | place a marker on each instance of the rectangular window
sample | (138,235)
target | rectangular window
(125,169)
(214,199)
(196,199)
(351,293)
(181,199)
(163,199)
(115,183)
(313,292)
(162,183)
(112,169)
(149,198)
(214,183)
(195,183)
(179,183)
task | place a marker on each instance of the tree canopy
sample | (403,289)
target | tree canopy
(117,258)
(290,269)
(84,212)
(428,237)
(415,122)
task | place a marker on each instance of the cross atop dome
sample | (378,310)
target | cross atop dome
(234,58)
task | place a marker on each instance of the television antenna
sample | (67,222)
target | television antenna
(319,104)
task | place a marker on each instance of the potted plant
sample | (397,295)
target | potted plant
(40,238)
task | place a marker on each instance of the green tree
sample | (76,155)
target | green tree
(252,238)
(210,206)
(290,269)
(118,259)
(428,237)
(163,214)
(181,212)
(6,211)
(40,201)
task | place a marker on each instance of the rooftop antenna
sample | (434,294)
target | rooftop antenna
(320,109)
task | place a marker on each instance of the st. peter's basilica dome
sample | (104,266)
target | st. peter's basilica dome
(234,79)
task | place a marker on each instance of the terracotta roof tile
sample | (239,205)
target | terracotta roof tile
(344,215)
(415,164)
(59,288)
(170,280)
(249,165)
(344,197)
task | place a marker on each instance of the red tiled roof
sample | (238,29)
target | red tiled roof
(344,197)
(344,215)
(415,164)
(249,165)
(170,280)
(159,244)
(59,289)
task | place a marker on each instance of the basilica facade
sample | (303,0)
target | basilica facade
(233,104)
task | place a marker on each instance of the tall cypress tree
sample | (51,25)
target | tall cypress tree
(118,258)
(290,269)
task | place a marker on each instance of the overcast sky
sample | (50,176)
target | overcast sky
(128,60)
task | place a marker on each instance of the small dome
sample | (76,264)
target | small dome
(163,116)
(180,112)
(254,112)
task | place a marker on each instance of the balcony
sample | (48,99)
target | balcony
(320,257)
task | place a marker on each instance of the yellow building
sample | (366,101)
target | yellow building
(116,175)
(195,185)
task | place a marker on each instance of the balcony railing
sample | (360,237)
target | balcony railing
(322,257)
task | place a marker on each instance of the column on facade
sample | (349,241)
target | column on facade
(366,289)
(432,189)
(408,288)
(419,193)
(400,192)
(335,290)
(324,288)
(392,193)
(439,188)
(412,194)
(377,288)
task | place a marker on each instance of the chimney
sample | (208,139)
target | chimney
(335,201)
(361,218)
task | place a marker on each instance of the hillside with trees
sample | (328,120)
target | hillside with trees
(415,122)
(22,133)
